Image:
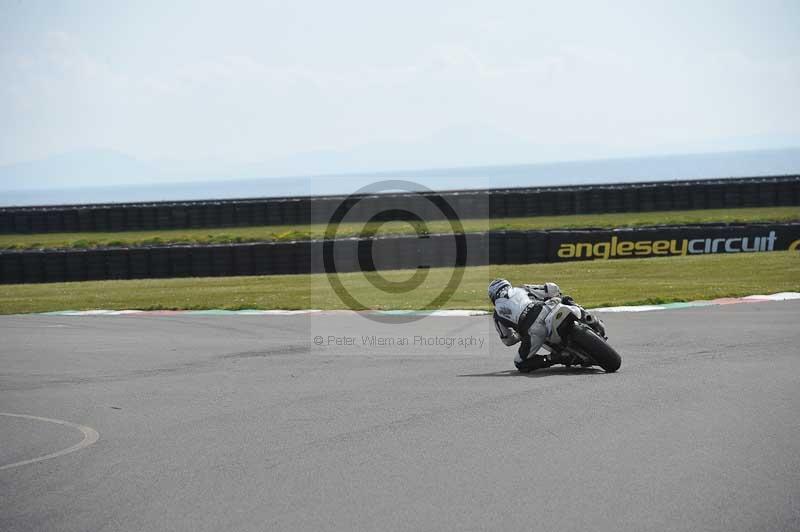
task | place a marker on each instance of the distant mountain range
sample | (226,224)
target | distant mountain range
(462,146)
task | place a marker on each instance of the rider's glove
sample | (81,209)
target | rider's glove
(551,290)
(567,300)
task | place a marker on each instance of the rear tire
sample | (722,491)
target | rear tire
(597,348)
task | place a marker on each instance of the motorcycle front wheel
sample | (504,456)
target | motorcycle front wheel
(597,348)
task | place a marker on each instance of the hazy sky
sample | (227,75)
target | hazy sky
(252,81)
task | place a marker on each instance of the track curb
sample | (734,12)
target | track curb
(758,298)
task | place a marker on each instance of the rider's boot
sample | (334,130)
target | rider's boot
(567,359)
(535,362)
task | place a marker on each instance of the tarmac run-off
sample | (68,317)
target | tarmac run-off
(241,422)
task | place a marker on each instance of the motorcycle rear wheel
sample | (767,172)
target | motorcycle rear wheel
(597,348)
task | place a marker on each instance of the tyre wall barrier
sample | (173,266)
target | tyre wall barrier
(470,204)
(400,252)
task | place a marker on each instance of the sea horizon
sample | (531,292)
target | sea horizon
(757,163)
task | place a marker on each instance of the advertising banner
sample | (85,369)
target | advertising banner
(670,241)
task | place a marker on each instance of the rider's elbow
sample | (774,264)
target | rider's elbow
(510,340)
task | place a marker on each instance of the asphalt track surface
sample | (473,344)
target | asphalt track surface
(243,423)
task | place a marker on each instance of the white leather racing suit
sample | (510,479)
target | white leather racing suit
(520,316)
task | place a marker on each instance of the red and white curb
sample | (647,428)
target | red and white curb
(781,296)
(212,312)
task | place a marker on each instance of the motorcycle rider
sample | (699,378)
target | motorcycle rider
(519,316)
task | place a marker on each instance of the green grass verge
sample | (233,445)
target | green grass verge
(288,233)
(596,283)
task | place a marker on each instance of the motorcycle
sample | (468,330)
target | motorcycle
(579,337)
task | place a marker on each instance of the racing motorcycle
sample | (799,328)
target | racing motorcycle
(579,337)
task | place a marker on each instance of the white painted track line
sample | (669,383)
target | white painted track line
(90,436)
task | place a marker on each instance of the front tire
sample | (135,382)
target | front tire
(597,348)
